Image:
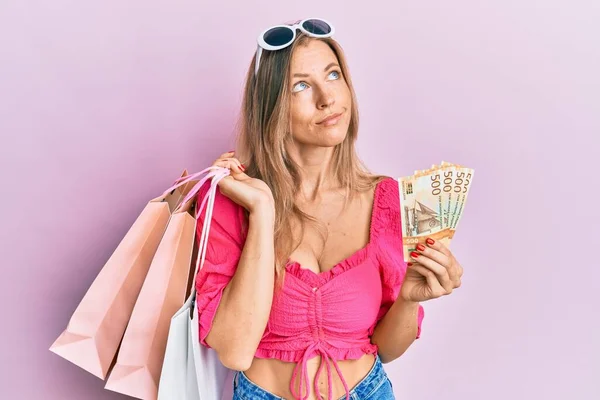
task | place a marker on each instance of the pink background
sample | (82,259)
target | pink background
(103,103)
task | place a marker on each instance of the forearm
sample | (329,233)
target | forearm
(397,330)
(245,305)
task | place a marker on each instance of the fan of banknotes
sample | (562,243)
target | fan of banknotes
(432,202)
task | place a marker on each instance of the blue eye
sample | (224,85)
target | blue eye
(337,74)
(298,87)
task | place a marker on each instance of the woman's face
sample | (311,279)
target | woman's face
(321,101)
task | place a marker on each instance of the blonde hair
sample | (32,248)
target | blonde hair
(264,128)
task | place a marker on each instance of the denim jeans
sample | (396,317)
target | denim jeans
(374,386)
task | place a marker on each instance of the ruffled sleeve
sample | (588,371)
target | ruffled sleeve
(388,234)
(225,244)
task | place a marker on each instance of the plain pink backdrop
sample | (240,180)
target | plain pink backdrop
(103,103)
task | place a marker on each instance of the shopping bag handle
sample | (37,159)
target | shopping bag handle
(185,179)
(216,177)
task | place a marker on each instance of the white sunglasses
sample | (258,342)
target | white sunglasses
(281,36)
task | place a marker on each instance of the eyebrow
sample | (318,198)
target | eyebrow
(333,64)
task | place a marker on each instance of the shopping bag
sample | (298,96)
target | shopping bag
(140,359)
(191,371)
(96,328)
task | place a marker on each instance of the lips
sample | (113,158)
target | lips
(330,120)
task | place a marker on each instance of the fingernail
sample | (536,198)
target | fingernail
(420,247)
(232,151)
(409,264)
(430,241)
(414,254)
(243,167)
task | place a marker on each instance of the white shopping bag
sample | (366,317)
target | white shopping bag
(191,371)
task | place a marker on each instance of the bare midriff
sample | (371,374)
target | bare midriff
(274,376)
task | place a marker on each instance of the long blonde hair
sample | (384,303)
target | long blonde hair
(264,128)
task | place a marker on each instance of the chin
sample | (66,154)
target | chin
(333,136)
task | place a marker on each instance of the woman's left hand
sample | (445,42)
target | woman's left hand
(433,272)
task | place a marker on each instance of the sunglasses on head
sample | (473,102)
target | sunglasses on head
(281,36)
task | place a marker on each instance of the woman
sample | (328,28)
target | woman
(304,289)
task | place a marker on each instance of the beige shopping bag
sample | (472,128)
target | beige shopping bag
(96,328)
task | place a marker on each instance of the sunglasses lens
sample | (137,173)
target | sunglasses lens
(317,27)
(278,36)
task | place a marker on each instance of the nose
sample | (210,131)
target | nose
(326,99)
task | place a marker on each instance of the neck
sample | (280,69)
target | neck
(316,169)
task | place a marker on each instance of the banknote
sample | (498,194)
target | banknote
(431,202)
(464,179)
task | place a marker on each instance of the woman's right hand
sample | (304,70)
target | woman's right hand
(250,193)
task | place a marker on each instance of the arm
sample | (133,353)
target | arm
(399,320)
(243,312)
(397,330)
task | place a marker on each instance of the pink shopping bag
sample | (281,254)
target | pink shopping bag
(96,328)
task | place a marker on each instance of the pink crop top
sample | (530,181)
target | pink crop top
(331,314)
